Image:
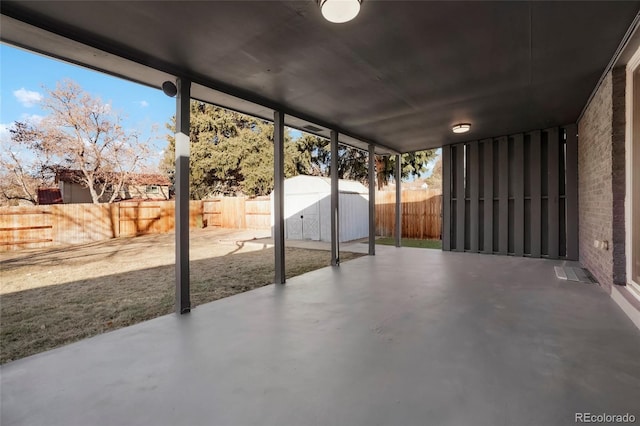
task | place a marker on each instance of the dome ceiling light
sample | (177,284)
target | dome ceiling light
(461,128)
(339,11)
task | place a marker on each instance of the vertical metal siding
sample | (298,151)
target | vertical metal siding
(474,196)
(513,194)
(571,191)
(488,196)
(518,194)
(536,194)
(460,201)
(553,192)
(354,209)
(503,176)
(446,197)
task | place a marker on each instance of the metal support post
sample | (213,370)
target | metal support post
(278,194)
(183,98)
(335,226)
(372,200)
(398,178)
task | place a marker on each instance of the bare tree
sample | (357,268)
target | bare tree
(21,172)
(80,132)
(16,183)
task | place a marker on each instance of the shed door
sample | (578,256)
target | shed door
(302,217)
(311,222)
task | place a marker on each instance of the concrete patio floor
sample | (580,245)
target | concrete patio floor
(409,337)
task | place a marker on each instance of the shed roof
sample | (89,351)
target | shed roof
(304,184)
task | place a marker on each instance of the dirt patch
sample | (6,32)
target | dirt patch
(52,297)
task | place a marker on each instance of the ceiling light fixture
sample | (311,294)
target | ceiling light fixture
(461,128)
(339,11)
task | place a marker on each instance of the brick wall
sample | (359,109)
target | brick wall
(601,181)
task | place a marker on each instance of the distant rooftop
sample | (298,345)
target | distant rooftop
(75,176)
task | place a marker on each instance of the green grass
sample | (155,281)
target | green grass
(410,242)
(43,317)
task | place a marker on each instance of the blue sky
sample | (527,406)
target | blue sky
(23,75)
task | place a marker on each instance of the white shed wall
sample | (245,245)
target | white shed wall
(307,207)
(354,216)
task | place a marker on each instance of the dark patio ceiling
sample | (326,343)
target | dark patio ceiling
(400,75)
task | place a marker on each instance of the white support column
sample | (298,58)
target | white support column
(335,226)
(372,200)
(278,194)
(183,98)
(398,178)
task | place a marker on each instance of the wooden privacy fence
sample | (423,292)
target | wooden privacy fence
(421,213)
(237,213)
(43,226)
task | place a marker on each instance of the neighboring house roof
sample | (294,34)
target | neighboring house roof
(148,179)
(76,176)
(49,196)
(68,175)
(303,184)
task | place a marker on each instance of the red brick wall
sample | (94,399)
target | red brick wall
(601,181)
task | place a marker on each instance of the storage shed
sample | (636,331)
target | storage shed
(307,206)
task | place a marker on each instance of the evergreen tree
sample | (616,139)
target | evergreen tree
(353,162)
(232,154)
(413,165)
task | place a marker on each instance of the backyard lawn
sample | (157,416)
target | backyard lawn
(410,242)
(51,297)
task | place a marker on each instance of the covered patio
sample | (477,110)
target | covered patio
(408,337)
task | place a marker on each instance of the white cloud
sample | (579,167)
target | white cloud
(5,135)
(31,118)
(26,97)
(143,104)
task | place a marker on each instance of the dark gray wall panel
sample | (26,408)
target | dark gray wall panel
(513,194)
(518,194)
(460,201)
(553,231)
(503,175)
(474,196)
(536,194)
(488,196)
(446,197)
(571,190)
